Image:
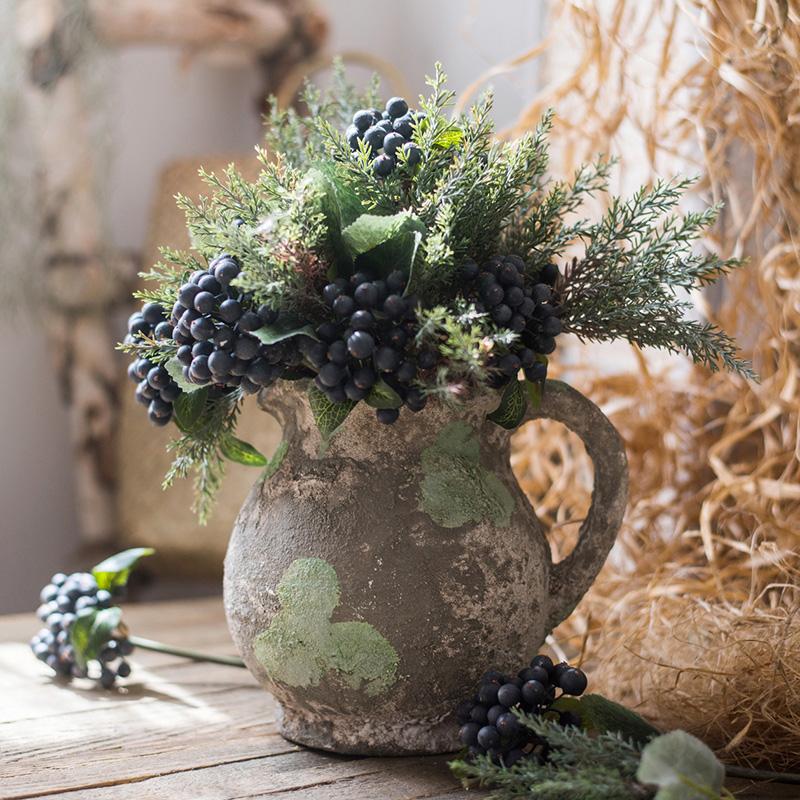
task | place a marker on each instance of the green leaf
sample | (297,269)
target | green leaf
(599,714)
(451,137)
(682,767)
(190,409)
(274,464)
(511,411)
(371,230)
(339,205)
(285,327)
(241,452)
(328,415)
(115,570)
(91,631)
(534,393)
(383,396)
(175,369)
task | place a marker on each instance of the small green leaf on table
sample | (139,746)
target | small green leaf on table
(511,411)
(175,370)
(190,409)
(599,714)
(113,572)
(241,452)
(328,415)
(682,767)
(91,631)
(383,396)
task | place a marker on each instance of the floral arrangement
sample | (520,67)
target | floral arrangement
(396,257)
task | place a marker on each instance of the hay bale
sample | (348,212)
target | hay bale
(148,515)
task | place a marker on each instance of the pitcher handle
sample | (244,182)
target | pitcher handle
(571,577)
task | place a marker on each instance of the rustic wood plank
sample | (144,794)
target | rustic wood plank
(181,729)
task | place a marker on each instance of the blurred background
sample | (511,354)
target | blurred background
(106,110)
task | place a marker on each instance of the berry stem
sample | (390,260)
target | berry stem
(762,775)
(158,647)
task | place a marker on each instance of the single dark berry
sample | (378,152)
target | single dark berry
(230,310)
(494,712)
(343,306)
(387,416)
(374,137)
(366,295)
(204,302)
(396,107)
(412,153)
(383,165)
(361,345)
(573,681)
(331,375)
(507,724)
(362,120)
(488,736)
(509,695)
(468,733)
(250,321)
(392,142)
(487,694)
(545,662)
(364,378)
(387,359)
(533,693)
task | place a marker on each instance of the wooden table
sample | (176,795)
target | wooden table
(181,730)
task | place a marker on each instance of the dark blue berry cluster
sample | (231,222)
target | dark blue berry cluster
(212,325)
(386,134)
(488,726)
(371,338)
(155,388)
(529,308)
(62,600)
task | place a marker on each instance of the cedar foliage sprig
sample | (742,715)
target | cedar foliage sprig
(469,197)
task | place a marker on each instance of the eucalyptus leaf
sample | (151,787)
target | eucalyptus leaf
(682,767)
(241,452)
(381,395)
(328,415)
(285,327)
(113,572)
(511,411)
(175,370)
(189,409)
(91,631)
(372,230)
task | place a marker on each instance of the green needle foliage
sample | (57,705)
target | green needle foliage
(601,765)
(317,212)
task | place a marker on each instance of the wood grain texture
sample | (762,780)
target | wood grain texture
(177,729)
(181,729)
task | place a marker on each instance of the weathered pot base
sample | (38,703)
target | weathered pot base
(354,735)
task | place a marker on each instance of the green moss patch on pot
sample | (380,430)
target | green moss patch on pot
(302,645)
(456,488)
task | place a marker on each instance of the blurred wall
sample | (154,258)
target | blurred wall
(163,107)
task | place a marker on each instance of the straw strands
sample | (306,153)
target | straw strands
(695,619)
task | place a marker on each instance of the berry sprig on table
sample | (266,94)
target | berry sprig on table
(490,723)
(83,634)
